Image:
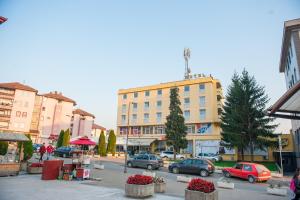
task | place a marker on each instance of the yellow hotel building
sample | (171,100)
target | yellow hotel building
(147,108)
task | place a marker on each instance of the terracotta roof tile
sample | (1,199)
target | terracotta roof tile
(59,96)
(96,126)
(83,113)
(17,86)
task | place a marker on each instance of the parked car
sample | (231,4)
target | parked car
(170,155)
(36,147)
(202,167)
(210,156)
(65,151)
(148,161)
(251,171)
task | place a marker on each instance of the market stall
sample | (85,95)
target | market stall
(10,163)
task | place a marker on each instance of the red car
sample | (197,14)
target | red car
(251,171)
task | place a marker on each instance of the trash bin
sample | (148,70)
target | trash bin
(51,169)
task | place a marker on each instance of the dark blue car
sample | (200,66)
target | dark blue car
(64,151)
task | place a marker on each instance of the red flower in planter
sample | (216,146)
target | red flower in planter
(36,165)
(140,180)
(201,185)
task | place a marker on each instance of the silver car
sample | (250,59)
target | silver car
(148,161)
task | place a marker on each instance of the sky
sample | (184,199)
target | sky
(88,49)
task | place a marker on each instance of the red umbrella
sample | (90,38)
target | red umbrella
(2,19)
(83,141)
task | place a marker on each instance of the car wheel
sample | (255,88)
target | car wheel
(149,167)
(226,174)
(129,164)
(251,179)
(64,155)
(203,173)
(175,170)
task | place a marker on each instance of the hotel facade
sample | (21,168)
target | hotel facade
(142,111)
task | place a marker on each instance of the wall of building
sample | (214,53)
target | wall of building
(82,125)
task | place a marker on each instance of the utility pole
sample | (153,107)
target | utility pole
(186,55)
(126,146)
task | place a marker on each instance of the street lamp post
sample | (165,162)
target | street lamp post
(280,153)
(126,146)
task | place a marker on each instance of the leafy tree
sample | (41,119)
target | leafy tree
(66,138)
(60,139)
(3,147)
(111,143)
(101,145)
(175,127)
(27,148)
(245,124)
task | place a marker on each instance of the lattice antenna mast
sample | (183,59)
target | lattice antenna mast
(186,55)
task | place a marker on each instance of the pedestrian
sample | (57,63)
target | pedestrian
(49,150)
(295,185)
(42,151)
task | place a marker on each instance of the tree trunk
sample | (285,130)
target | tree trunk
(251,150)
(242,152)
(174,151)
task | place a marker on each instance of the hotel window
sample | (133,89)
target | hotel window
(202,101)
(186,102)
(147,130)
(124,108)
(147,93)
(134,107)
(187,115)
(186,88)
(135,95)
(123,130)
(158,117)
(123,118)
(134,118)
(159,130)
(146,117)
(158,104)
(159,92)
(202,88)
(202,114)
(146,105)
(190,128)
(24,114)
(124,96)
(18,114)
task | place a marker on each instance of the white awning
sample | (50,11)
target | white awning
(17,137)
(135,141)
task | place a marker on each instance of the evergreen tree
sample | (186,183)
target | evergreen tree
(175,127)
(111,143)
(101,145)
(3,147)
(245,124)
(27,148)
(66,138)
(60,139)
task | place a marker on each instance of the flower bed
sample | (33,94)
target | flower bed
(199,189)
(139,186)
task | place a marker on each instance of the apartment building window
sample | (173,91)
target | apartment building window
(147,130)
(201,87)
(186,115)
(123,130)
(202,101)
(146,117)
(24,114)
(202,114)
(146,105)
(190,128)
(147,93)
(134,118)
(134,107)
(124,96)
(186,102)
(158,104)
(18,114)
(124,108)
(186,88)
(123,118)
(159,130)
(135,95)
(159,92)
(158,117)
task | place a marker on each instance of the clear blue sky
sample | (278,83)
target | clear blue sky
(90,49)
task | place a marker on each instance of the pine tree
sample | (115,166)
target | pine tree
(101,145)
(175,127)
(111,143)
(3,147)
(60,139)
(66,138)
(245,124)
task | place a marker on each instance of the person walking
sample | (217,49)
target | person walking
(295,185)
(50,150)
(42,152)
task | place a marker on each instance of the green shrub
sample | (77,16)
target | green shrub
(66,138)
(27,148)
(111,144)
(60,139)
(101,145)
(3,147)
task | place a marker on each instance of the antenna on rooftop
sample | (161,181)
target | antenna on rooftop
(186,55)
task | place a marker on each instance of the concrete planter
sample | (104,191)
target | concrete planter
(184,179)
(160,187)
(227,185)
(9,169)
(148,173)
(24,166)
(34,170)
(139,191)
(196,195)
(277,191)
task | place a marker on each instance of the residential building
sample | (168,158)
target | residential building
(288,106)
(16,107)
(142,112)
(81,123)
(96,131)
(55,115)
